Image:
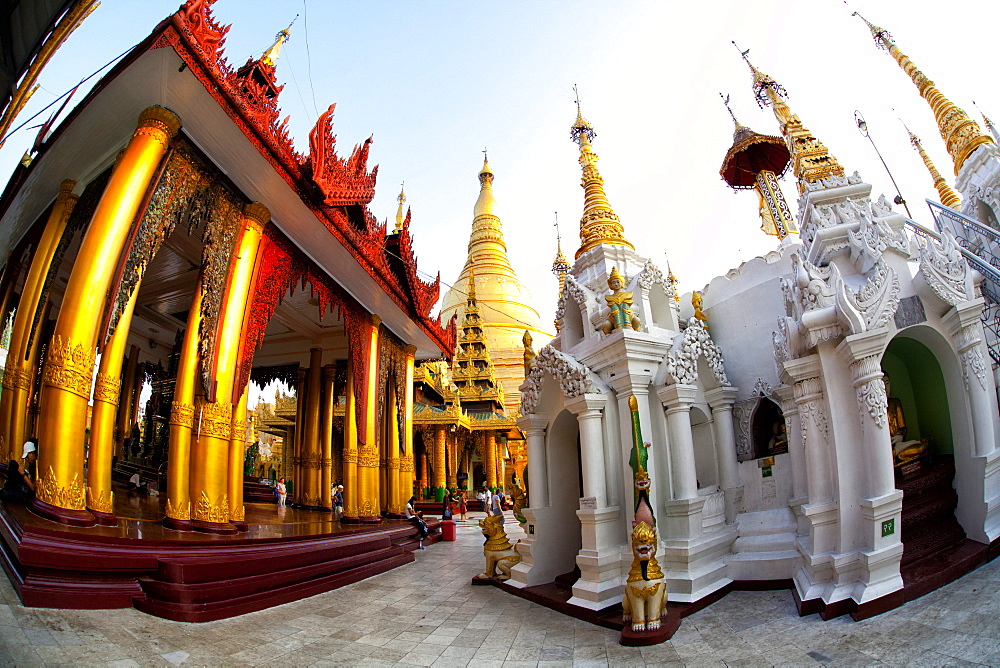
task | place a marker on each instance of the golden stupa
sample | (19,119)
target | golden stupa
(505,302)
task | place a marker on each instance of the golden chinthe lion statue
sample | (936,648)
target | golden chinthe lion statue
(500,554)
(645,590)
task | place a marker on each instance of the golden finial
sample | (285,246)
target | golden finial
(811,160)
(696,302)
(673,283)
(271,55)
(948,196)
(399,210)
(599,224)
(988,123)
(960,133)
(471,292)
(725,101)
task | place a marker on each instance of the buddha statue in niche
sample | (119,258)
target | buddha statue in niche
(903,451)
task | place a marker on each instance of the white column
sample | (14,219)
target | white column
(677,400)
(589,409)
(966,329)
(813,420)
(796,449)
(864,353)
(721,401)
(533,427)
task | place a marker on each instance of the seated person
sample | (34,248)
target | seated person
(135,484)
(20,485)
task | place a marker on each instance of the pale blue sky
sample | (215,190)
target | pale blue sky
(435,82)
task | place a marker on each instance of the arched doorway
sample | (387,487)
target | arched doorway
(920,425)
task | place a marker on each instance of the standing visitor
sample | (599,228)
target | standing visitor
(338,502)
(496,505)
(462,505)
(484,499)
(417,521)
(282,492)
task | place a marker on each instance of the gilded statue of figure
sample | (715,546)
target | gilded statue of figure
(696,301)
(903,451)
(620,304)
(518,499)
(529,352)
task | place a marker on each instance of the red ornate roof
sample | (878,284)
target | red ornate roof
(337,190)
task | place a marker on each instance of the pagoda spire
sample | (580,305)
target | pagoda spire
(401,198)
(271,55)
(948,196)
(599,224)
(811,160)
(560,267)
(960,133)
(989,124)
(473,372)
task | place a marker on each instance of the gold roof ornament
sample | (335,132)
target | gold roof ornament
(401,198)
(560,267)
(960,133)
(673,283)
(811,160)
(947,194)
(271,55)
(599,224)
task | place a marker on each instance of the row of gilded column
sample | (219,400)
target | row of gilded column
(443,449)
(207,434)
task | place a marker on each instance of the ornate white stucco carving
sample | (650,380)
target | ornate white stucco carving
(742,413)
(874,304)
(573,377)
(572,292)
(944,268)
(682,362)
(872,238)
(967,341)
(651,275)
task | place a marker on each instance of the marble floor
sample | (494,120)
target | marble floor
(426,613)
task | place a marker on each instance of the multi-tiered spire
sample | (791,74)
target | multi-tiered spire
(472,370)
(948,196)
(960,133)
(599,224)
(988,123)
(811,160)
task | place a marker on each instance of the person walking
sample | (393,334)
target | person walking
(496,505)
(338,502)
(483,496)
(282,492)
(462,504)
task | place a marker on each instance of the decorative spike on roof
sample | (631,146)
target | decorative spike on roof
(948,196)
(988,123)
(599,224)
(272,54)
(811,160)
(960,133)
(401,198)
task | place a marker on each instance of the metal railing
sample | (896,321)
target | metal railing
(980,245)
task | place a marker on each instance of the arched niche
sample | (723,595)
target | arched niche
(703,438)
(572,331)
(768,435)
(918,394)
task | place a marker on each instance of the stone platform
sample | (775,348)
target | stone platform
(287,554)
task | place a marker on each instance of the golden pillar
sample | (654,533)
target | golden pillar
(490,457)
(453,460)
(17,376)
(69,364)
(368,496)
(311,496)
(178,511)
(392,452)
(424,481)
(107,390)
(439,462)
(298,435)
(326,437)
(350,452)
(211,478)
(406,472)
(126,398)
(237,447)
